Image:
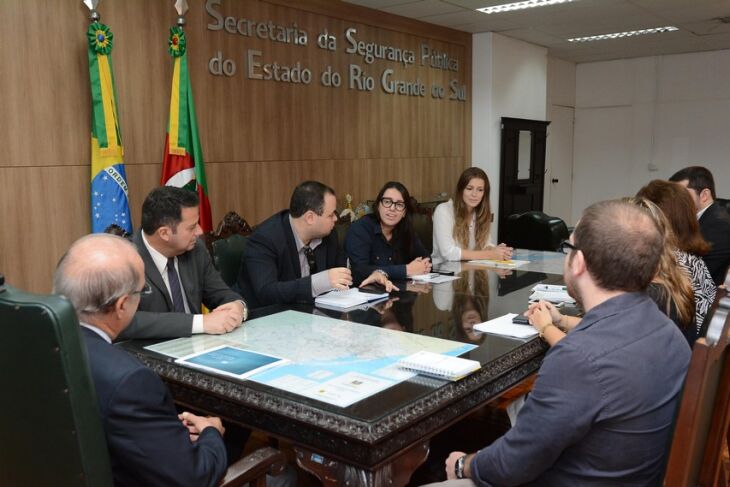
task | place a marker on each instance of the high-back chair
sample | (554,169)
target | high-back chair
(227,256)
(535,230)
(702,421)
(53,432)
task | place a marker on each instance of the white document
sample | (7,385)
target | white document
(504,326)
(500,264)
(552,293)
(433,277)
(347,299)
(346,389)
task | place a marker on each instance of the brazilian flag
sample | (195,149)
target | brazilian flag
(109,192)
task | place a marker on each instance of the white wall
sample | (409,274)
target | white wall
(509,79)
(645,118)
(559,153)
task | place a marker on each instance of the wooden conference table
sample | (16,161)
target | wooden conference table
(381,439)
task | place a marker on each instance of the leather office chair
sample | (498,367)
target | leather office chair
(703,419)
(53,434)
(423,227)
(535,230)
(724,203)
(227,256)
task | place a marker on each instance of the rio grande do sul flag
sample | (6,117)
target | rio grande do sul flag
(183,164)
(109,192)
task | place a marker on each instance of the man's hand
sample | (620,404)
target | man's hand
(196,424)
(340,277)
(235,306)
(542,313)
(223,319)
(451,464)
(418,266)
(379,278)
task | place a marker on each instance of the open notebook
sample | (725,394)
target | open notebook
(438,365)
(347,299)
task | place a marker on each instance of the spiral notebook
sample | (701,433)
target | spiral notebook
(441,366)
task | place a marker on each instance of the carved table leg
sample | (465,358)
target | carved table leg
(332,472)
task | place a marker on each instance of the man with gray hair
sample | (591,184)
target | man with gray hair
(149,443)
(602,409)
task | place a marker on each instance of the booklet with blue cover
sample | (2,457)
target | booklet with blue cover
(232,361)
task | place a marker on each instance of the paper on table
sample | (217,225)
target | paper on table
(504,326)
(347,299)
(502,264)
(434,278)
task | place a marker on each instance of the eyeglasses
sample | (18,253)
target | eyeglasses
(145,291)
(398,205)
(567,247)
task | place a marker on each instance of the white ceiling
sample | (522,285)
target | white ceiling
(700,27)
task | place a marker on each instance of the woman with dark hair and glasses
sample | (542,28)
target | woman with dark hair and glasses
(385,240)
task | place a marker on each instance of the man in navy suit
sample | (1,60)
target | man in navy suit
(149,443)
(179,272)
(294,256)
(713,219)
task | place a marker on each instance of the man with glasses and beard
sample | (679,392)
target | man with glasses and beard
(602,409)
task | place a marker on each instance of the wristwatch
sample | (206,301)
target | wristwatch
(459,467)
(381,271)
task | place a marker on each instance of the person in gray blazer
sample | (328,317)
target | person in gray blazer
(180,273)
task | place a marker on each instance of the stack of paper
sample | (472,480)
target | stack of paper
(438,365)
(500,264)
(347,299)
(433,277)
(551,293)
(504,326)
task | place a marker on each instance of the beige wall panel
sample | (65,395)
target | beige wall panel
(43,210)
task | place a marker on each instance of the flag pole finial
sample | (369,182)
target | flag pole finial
(182,7)
(91,5)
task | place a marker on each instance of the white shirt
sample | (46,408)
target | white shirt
(702,211)
(161,265)
(445,248)
(320,280)
(98,331)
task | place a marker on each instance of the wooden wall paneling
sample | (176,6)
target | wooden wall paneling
(260,138)
(44,209)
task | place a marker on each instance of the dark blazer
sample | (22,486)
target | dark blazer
(270,271)
(202,284)
(715,228)
(148,445)
(367,249)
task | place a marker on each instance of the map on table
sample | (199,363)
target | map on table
(331,360)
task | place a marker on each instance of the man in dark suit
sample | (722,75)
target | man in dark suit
(602,409)
(713,219)
(149,443)
(294,256)
(180,273)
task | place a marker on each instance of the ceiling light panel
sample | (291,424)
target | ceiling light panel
(628,33)
(511,7)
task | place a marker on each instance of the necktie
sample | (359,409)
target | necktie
(309,254)
(175,289)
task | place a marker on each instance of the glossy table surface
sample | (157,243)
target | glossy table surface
(371,432)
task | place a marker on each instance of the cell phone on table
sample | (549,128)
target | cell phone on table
(373,288)
(520,320)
